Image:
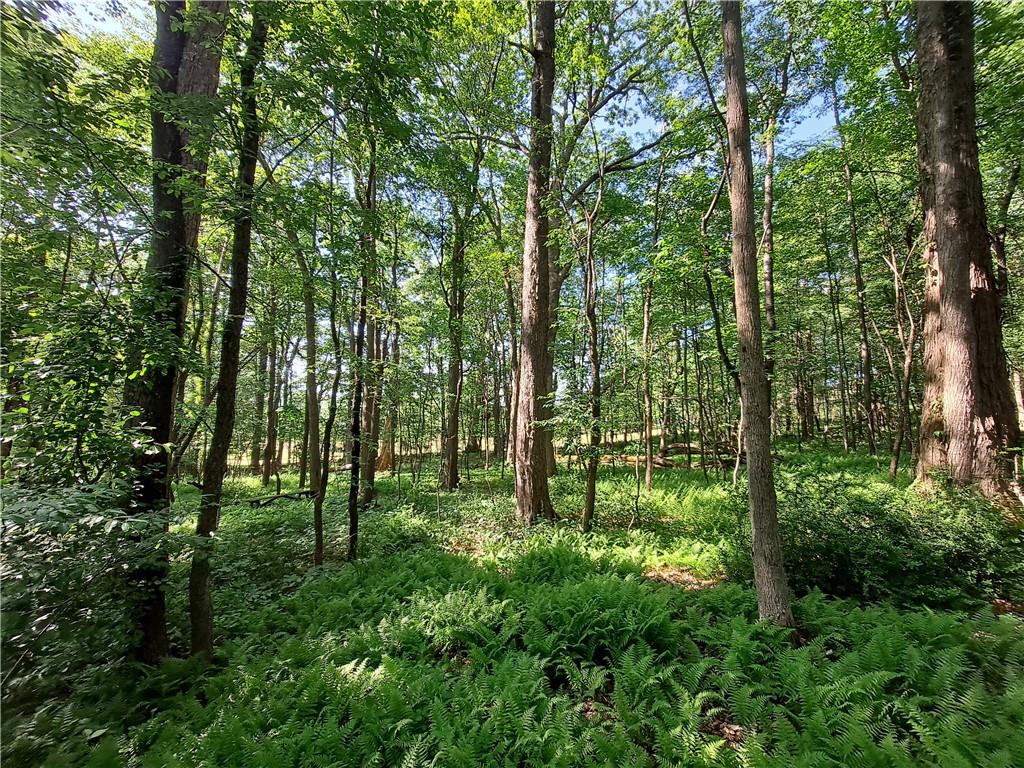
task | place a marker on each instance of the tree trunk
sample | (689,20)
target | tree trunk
(769,574)
(594,350)
(162,302)
(532,499)
(968,424)
(368,249)
(311,443)
(768,249)
(866,373)
(356,419)
(200,605)
(455,296)
(273,397)
(648,398)
(198,78)
(371,411)
(512,408)
(260,404)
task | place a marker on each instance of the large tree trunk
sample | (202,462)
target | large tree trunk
(532,499)
(200,605)
(162,302)
(968,422)
(773,598)
(198,78)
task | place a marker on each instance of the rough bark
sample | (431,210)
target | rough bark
(532,498)
(198,79)
(162,302)
(968,422)
(215,467)
(773,597)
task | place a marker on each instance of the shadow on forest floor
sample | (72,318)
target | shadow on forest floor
(462,638)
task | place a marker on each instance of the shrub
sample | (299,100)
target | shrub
(877,542)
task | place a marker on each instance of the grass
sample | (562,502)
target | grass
(462,639)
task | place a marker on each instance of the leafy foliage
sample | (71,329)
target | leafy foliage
(461,639)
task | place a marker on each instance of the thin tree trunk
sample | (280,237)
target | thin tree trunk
(769,573)
(512,408)
(356,420)
(260,404)
(866,380)
(311,441)
(273,397)
(455,297)
(200,604)
(648,399)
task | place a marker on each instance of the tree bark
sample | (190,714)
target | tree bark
(648,398)
(200,604)
(866,373)
(968,424)
(311,443)
(512,408)
(773,597)
(273,397)
(260,403)
(356,416)
(455,297)
(594,350)
(162,302)
(368,248)
(199,77)
(532,498)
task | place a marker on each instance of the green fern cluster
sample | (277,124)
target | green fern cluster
(460,638)
(547,651)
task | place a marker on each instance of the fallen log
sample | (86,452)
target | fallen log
(633,459)
(262,501)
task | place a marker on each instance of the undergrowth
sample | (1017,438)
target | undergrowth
(462,639)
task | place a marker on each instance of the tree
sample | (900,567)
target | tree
(532,499)
(769,572)
(968,420)
(200,605)
(151,388)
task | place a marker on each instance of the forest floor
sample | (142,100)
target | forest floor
(460,638)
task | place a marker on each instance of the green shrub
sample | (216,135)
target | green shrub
(878,542)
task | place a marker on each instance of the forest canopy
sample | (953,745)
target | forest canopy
(483,382)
